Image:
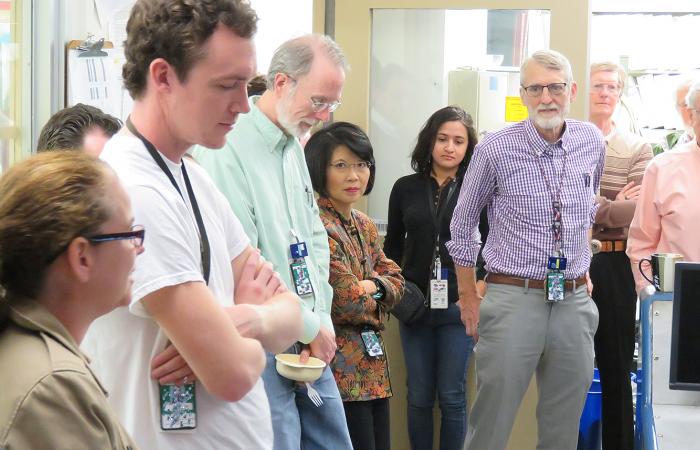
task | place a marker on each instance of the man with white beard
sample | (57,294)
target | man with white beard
(262,172)
(539,178)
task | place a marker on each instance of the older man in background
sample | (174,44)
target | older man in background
(668,211)
(626,157)
(678,138)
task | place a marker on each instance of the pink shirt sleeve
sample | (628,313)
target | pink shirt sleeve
(645,229)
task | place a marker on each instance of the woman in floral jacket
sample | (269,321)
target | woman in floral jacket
(366,284)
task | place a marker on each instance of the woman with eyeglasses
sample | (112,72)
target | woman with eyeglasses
(366,284)
(67,249)
(436,348)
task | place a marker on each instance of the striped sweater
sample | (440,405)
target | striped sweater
(626,158)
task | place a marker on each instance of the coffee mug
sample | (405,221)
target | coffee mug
(662,270)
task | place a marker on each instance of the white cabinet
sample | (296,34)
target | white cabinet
(482,93)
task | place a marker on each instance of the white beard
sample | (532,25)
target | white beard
(551,122)
(294,129)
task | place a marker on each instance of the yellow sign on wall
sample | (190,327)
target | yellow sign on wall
(515,110)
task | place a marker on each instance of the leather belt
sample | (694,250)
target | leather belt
(498,278)
(613,246)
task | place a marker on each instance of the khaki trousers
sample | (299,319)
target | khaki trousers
(521,334)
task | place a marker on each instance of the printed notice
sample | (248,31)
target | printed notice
(515,110)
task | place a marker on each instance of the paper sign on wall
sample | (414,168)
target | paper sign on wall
(97,81)
(515,110)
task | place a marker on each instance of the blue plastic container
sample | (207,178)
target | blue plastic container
(590,430)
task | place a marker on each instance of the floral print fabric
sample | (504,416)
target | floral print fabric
(355,256)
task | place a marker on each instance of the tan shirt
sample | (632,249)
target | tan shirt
(626,158)
(49,398)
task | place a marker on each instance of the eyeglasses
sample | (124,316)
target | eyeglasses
(535,90)
(318,107)
(344,167)
(610,88)
(136,236)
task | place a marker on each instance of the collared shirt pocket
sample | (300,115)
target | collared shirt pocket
(578,199)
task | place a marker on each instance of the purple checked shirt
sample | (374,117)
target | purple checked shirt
(504,175)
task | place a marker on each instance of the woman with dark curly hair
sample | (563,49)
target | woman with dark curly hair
(436,348)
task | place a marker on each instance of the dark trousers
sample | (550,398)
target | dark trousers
(368,423)
(615,296)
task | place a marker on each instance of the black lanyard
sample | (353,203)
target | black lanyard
(438,216)
(204,249)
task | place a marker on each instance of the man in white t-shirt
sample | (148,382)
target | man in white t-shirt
(187,68)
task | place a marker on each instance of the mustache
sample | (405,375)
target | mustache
(541,108)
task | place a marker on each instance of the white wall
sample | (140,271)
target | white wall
(279,21)
(56,23)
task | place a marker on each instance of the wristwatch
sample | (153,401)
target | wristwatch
(381,292)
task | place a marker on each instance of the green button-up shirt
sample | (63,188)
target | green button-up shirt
(263,174)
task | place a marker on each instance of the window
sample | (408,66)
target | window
(14,98)
(651,47)
(424,59)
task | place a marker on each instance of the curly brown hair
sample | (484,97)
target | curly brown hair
(176,30)
(47,201)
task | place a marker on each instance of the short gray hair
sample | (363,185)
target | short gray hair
(609,66)
(684,85)
(295,56)
(692,94)
(551,59)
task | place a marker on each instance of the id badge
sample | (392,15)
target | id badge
(300,276)
(178,407)
(438,294)
(556,263)
(298,250)
(554,284)
(372,345)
